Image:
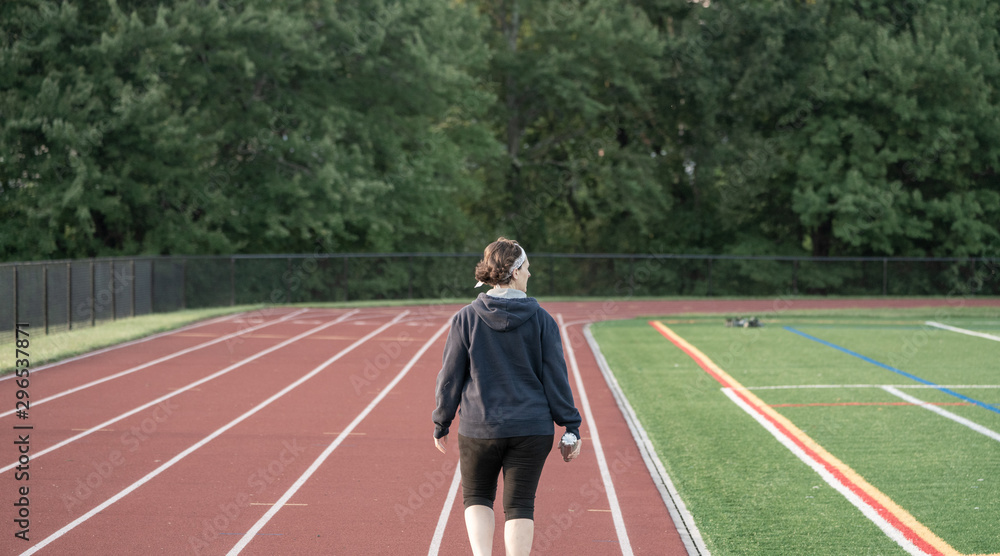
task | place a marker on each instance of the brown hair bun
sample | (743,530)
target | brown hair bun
(499,257)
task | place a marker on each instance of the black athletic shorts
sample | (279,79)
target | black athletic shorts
(519,457)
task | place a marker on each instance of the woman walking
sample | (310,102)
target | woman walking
(503,363)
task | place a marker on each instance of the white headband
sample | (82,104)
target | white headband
(517,264)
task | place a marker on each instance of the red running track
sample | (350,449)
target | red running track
(324,412)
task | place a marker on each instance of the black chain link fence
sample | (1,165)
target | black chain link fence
(61,295)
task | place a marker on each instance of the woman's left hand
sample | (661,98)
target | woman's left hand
(442,443)
(570,452)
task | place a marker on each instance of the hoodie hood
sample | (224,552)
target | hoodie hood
(502,314)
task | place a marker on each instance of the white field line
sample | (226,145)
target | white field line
(456,481)
(151,475)
(867,510)
(944,413)
(249,535)
(194,384)
(158,361)
(682,518)
(904,386)
(963,331)
(609,487)
(185,328)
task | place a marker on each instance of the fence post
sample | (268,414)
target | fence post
(232,281)
(16,316)
(795,277)
(152,286)
(552,274)
(885,276)
(631,275)
(131,265)
(972,271)
(709,292)
(114,308)
(347,279)
(184,270)
(409,272)
(288,280)
(45,297)
(93,296)
(69,296)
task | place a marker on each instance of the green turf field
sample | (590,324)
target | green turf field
(749,494)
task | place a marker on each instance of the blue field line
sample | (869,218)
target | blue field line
(983,405)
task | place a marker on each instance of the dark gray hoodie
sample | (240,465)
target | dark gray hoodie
(503,363)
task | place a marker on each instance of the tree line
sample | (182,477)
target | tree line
(778,127)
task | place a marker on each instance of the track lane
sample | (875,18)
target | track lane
(597,446)
(61,421)
(169,440)
(650,527)
(374,430)
(354,494)
(572,514)
(75,378)
(164,401)
(573,510)
(397,482)
(72,481)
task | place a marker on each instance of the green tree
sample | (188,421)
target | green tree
(901,157)
(194,127)
(573,82)
(845,128)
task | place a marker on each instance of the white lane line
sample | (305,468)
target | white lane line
(682,518)
(868,511)
(904,386)
(445,512)
(810,386)
(157,361)
(609,487)
(104,505)
(245,540)
(944,413)
(185,328)
(963,331)
(194,384)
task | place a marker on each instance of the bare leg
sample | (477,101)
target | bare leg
(517,536)
(479,521)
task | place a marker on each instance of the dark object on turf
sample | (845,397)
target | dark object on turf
(740,322)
